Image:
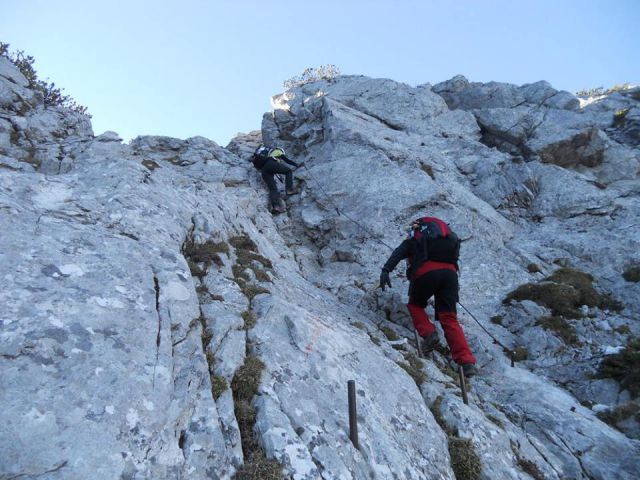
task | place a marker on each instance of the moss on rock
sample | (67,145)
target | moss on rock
(564,292)
(560,299)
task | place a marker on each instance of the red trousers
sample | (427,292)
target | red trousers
(442,283)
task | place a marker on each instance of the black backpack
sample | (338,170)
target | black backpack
(433,240)
(260,156)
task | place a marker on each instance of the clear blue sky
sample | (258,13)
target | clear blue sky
(195,67)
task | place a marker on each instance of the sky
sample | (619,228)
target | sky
(209,68)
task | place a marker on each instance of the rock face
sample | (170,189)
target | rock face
(141,279)
(538,122)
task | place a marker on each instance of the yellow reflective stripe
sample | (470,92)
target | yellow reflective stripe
(276,152)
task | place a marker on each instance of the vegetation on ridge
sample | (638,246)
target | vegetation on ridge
(53,96)
(600,91)
(310,75)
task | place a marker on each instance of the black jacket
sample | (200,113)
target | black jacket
(259,161)
(406,249)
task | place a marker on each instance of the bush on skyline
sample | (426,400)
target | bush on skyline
(52,95)
(310,75)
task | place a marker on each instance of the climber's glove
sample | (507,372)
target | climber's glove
(384,279)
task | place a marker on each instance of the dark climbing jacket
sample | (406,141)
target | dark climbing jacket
(431,240)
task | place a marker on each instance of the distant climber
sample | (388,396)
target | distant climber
(432,251)
(271,161)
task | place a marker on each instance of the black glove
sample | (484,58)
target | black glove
(384,279)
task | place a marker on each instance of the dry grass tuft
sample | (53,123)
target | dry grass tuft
(218,386)
(620,413)
(465,461)
(249,319)
(560,327)
(623,367)
(632,273)
(391,335)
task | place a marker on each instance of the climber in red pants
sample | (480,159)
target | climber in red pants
(432,251)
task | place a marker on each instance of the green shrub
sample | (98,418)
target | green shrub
(310,75)
(53,96)
(497,319)
(624,367)
(359,325)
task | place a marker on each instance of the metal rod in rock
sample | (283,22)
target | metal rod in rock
(353,415)
(418,345)
(463,385)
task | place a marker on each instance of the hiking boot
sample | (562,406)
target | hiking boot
(280,208)
(469,370)
(295,191)
(430,342)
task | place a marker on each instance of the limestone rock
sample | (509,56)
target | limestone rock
(120,339)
